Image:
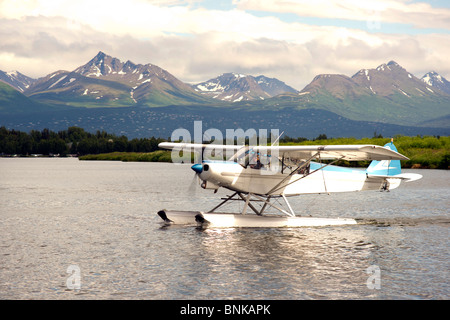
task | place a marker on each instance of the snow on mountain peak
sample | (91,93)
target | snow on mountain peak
(427,79)
(239,75)
(16,79)
(13,73)
(432,78)
(435,80)
(381,67)
(389,66)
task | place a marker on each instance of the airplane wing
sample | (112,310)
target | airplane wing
(196,146)
(344,152)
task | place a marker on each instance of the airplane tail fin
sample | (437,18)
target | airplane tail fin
(385,167)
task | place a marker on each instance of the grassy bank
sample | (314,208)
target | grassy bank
(424,152)
(155,156)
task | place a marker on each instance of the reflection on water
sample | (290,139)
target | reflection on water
(101,217)
(314,263)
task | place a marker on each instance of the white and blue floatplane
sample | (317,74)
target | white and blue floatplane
(267,173)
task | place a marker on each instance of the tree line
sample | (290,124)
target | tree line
(74,140)
(423,151)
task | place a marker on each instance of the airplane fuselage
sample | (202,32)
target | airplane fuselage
(329,179)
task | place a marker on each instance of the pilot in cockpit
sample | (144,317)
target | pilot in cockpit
(258,164)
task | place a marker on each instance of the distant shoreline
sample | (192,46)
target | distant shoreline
(165,156)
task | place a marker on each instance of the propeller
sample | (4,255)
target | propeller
(193,185)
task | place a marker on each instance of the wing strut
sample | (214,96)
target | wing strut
(289,206)
(277,186)
(323,176)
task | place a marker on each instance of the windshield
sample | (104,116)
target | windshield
(247,156)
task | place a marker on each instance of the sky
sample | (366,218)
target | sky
(197,40)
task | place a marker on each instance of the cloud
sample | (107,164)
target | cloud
(418,14)
(39,45)
(145,19)
(195,44)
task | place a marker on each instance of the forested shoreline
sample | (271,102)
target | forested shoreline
(73,141)
(424,151)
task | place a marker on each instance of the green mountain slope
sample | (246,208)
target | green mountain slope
(12,102)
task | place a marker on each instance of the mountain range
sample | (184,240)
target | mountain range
(106,81)
(143,82)
(236,87)
(387,94)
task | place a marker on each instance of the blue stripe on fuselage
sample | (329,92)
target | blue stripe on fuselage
(315,166)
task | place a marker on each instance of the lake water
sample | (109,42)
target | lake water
(74,229)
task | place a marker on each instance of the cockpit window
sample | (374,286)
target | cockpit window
(241,156)
(248,156)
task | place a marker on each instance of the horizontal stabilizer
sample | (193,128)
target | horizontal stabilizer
(403,176)
(409,176)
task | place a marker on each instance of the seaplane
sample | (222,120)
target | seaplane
(263,177)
